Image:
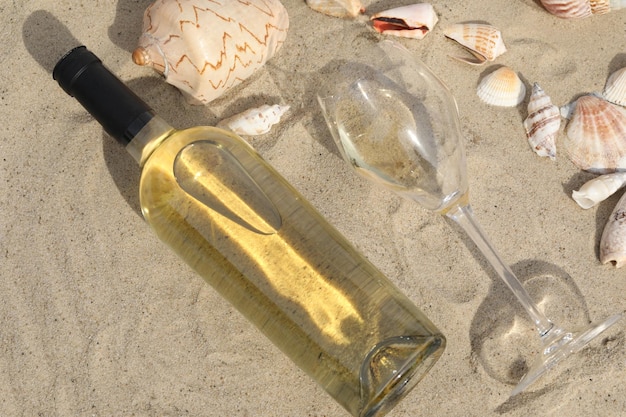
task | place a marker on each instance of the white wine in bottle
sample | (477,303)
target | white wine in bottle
(213,200)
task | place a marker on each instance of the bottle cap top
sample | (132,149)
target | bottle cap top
(120,111)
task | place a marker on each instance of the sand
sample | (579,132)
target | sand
(100,318)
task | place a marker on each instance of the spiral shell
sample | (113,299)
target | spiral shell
(255,121)
(613,241)
(542,124)
(596,135)
(205,48)
(615,88)
(503,87)
(577,9)
(337,8)
(483,41)
(599,189)
(412,21)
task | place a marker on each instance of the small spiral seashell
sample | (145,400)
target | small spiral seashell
(615,88)
(596,135)
(542,124)
(337,8)
(599,189)
(204,48)
(483,41)
(613,241)
(256,121)
(503,88)
(412,21)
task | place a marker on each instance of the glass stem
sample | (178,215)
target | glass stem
(464,217)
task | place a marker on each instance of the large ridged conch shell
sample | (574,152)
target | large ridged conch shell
(613,241)
(204,48)
(412,21)
(599,189)
(577,9)
(596,135)
(542,124)
(615,87)
(502,87)
(337,8)
(483,41)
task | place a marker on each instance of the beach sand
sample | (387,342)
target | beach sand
(99,318)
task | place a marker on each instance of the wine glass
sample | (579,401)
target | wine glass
(397,125)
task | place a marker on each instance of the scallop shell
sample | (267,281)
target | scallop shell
(596,135)
(577,9)
(599,189)
(542,124)
(613,241)
(337,8)
(412,21)
(256,121)
(503,87)
(483,41)
(205,48)
(615,88)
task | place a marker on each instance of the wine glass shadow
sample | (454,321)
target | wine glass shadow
(502,337)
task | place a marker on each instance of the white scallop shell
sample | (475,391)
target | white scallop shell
(256,121)
(577,9)
(502,87)
(337,8)
(615,88)
(543,123)
(599,189)
(483,41)
(613,241)
(596,135)
(412,21)
(203,47)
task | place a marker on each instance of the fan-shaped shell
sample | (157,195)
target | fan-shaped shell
(484,41)
(203,47)
(543,123)
(503,87)
(615,88)
(613,241)
(412,21)
(596,135)
(337,8)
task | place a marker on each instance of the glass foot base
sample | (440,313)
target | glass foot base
(558,345)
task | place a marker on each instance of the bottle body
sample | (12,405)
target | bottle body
(255,239)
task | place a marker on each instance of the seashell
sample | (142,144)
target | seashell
(483,41)
(337,8)
(256,121)
(412,21)
(613,241)
(615,88)
(596,135)
(205,48)
(542,124)
(599,189)
(503,88)
(577,9)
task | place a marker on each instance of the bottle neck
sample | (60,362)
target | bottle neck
(151,135)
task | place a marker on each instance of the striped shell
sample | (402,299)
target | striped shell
(204,48)
(337,8)
(542,124)
(613,241)
(503,87)
(596,135)
(576,9)
(615,88)
(483,41)
(412,21)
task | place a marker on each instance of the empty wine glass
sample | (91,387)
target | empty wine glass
(397,124)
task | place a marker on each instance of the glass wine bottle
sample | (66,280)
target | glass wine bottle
(213,200)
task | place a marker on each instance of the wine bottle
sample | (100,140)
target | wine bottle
(224,210)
